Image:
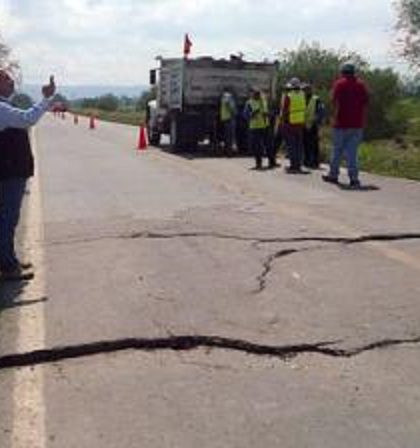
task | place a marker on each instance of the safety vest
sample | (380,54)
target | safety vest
(225,110)
(310,114)
(280,117)
(297,107)
(259,111)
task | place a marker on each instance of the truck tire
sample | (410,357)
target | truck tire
(154,138)
(176,137)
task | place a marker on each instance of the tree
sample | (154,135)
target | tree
(320,67)
(108,102)
(311,63)
(411,85)
(59,98)
(89,103)
(144,98)
(22,100)
(6,62)
(385,89)
(408,26)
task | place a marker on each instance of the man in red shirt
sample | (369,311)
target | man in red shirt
(350,100)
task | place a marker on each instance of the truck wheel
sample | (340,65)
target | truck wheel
(176,142)
(154,138)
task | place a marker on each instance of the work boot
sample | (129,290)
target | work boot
(355,184)
(25,265)
(17,274)
(330,179)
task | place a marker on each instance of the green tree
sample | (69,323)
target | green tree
(59,98)
(108,102)
(385,91)
(144,98)
(89,103)
(320,67)
(408,27)
(314,64)
(6,61)
(22,100)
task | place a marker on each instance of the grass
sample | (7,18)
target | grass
(396,158)
(124,116)
(390,159)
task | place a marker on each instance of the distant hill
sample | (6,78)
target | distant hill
(86,91)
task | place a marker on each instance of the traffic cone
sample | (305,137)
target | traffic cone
(92,122)
(142,144)
(75,119)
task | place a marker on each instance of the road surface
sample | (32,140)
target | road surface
(185,301)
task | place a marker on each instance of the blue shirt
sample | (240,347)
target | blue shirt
(13,117)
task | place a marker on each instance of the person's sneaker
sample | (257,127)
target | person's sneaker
(330,179)
(25,265)
(355,184)
(17,274)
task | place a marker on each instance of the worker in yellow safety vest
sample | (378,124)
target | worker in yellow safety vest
(227,114)
(293,110)
(314,116)
(257,114)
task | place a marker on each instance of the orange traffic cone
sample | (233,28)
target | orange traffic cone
(142,144)
(75,119)
(92,122)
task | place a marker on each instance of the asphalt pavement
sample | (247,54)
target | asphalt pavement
(185,300)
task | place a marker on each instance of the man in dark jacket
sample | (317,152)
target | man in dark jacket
(16,167)
(314,115)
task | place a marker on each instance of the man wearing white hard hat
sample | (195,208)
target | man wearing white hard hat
(293,119)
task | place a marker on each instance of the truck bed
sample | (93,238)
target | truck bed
(200,82)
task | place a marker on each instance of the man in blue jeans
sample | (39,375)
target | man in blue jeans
(16,166)
(350,100)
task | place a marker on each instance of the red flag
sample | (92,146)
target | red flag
(187,45)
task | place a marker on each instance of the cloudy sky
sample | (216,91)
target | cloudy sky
(116,41)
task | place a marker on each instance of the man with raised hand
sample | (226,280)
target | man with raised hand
(16,167)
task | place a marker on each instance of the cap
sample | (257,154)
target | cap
(348,68)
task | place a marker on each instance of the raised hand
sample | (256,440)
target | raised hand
(49,89)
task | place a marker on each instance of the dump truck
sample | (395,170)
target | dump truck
(188,93)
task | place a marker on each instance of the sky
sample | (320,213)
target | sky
(115,42)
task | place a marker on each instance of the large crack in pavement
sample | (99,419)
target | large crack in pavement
(270,260)
(186,343)
(257,240)
(190,342)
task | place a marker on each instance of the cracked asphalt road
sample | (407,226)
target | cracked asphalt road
(185,301)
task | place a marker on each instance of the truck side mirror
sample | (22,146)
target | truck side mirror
(152,77)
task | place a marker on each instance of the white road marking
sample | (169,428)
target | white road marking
(28,396)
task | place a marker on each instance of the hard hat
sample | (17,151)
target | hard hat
(294,83)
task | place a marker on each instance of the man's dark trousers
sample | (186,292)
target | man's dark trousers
(257,141)
(295,139)
(11,194)
(311,145)
(16,167)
